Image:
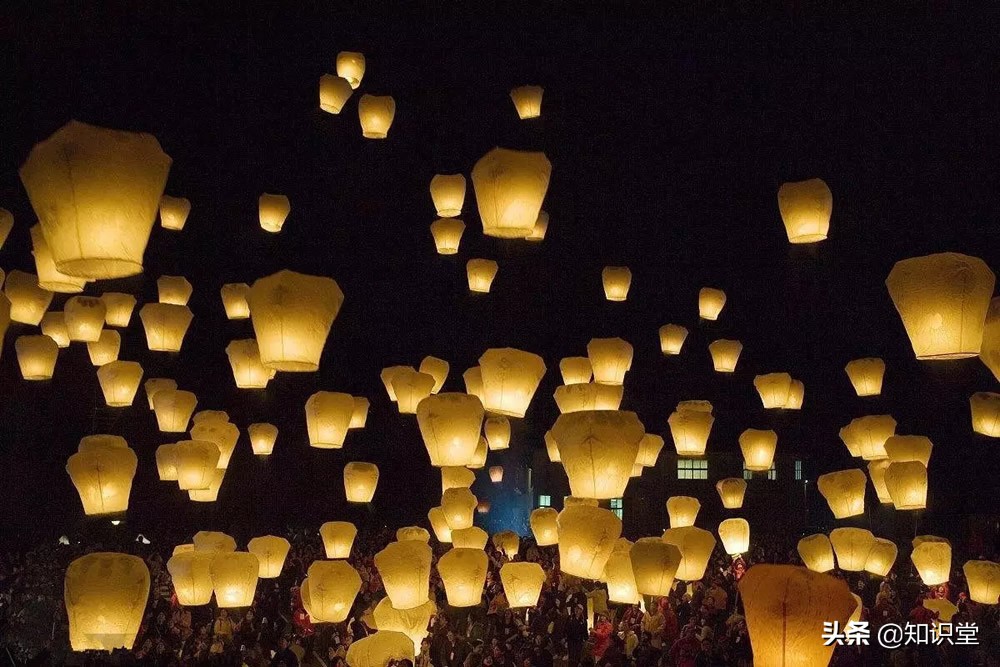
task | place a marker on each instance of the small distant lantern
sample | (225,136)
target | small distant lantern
(985,407)
(510,378)
(234,300)
(84,318)
(909,448)
(272,211)
(617,280)
(696,547)
(881,558)
(983,577)
(54,326)
(806,207)
(522,584)
(725,354)
(249,372)
(334,91)
(191,576)
(496,428)
(271,552)
(411,387)
(448,194)
(234,578)
(731,490)
(496,474)
(351,66)
(458,505)
(153,385)
(174,408)
(907,484)
(105,349)
(103,478)
(931,556)
(262,438)
(598,449)
(456,477)
(447,234)
(405,568)
(119,382)
(376,113)
(436,368)
(587,536)
(852,546)
(866,375)
(105,596)
(49,277)
(481,273)
(450,424)
(119,308)
(165,325)
(735,536)
(338,538)
(28,301)
(816,552)
(174,212)
(541,227)
(360,415)
(463,572)
(867,436)
(527,101)
(610,359)
(36,357)
(844,491)
(439,524)
(672,337)
(774,389)
(682,510)
(360,481)
(473,537)
(758,449)
(544,526)
(413,533)
(510,187)
(690,426)
(710,303)
(876,472)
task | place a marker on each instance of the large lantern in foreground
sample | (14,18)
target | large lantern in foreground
(881,557)
(510,378)
(447,235)
(786,607)
(528,101)
(376,113)
(333,585)
(450,424)
(852,546)
(119,382)
(682,510)
(816,552)
(735,536)
(292,314)
(334,91)
(545,526)
(725,354)
(338,538)
(983,577)
(191,576)
(985,407)
(36,357)
(448,194)
(328,418)
(103,478)
(758,449)
(360,481)
(463,572)
(105,596)
(696,547)
(731,491)
(942,300)
(654,565)
(28,301)
(405,568)
(510,187)
(806,207)
(522,583)
(165,325)
(351,66)
(379,649)
(617,280)
(866,375)
(234,578)
(672,337)
(597,449)
(586,537)
(710,303)
(271,552)
(480,273)
(610,359)
(96,193)
(931,556)
(844,491)
(907,484)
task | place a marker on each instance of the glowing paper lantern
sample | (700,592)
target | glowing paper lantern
(943,300)
(166,462)
(478,459)
(456,477)
(165,325)
(210,415)
(806,207)
(695,546)
(552,447)
(197,462)
(436,368)
(876,471)
(458,506)
(510,187)
(332,585)
(359,417)
(985,407)
(118,308)
(774,389)
(522,583)
(541,226)
(36,357)
(103,478)
(338,538)
(119,382)
(28,301)
(586,537)
(907,484)
(447,235)
(617,280)
(844,491)
(528,101)
(881,557)
(53,325)
(784,606)
(448,195)
(49,277)
(469,538)
(473,379)
(649,450)
(174,212)
(405,568)
(852,546)
(690,426)
(867,436)
(983,577)
(989,353)
(508,542)
(360,481)
(262,438)
(105,349)
(682,510)
(796,394)
(575,370)
(439,524)
(271,552)
(223,434)
(84,318)
(463,572)
(866,375)
(153,385)
(597,449)
(544,526)
(380,649)
(411,387)
(173,409)
(758,449)
(334,91)
(351,66)
(496,474)
(909,448)
(932,557)
(710,303)
(672,337)
(234,300)
(450,424)
(481,273)
(816,552)
(101,441)
(620,578)
(410,622)
(496,428)
(389,374)
(610,358)
(725,354)
(589,396)
(213,542)
(273,210)
(191,576)
(413,533)
(249,372)
(328,418)
(96,192)
(105,596)
(210,493)
(376,113)
(234,578)
(731,491)
(292,314)
(510,378)
(174,289)
(735,536)
(654,565)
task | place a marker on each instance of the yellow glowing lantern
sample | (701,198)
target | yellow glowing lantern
(881,558)
(411,387)
(508,542)
(213,542)
(816,552)
(272,211)
(405,568)
(576,370)
(174,289)
(328,418)
(510,187)
(774,389)
(989,353)
(478,459)
(448,195)
(262,438)
(473,537)
(909,448)
(696,547)
(983,577)
(496,474)
(907,484)
(710,303)
(36,357)
(197,462)
(682,510)
(868,435)
(190,572)
(173,409)
(587,536)
(784,606)
(389,374)
(690,426)
(223,434)
(105,595)
(101,441)
(876,471)
(96,192)
(153,385)
(271,552)
(496,428)
(234,300)
(589,396)
(28,301)
(481,273)
(931,556)
(436,368)
(943,300)
(49,277)
(731,490)
(105,349)
(463,572)
(334,91)
(456,477)
(544,526)
(473,379)
(360,481)
(359,417)
(338,538)
(852,546)
(333,585)
(649,450)
(866,375)
(413,533)
(119,382)
(735,536)
(351,66)
(522,583)
(54,326)
(84,318)
(527,101)
(450,424)
(165,325)
(118,308)
(610,358)
(380,649)
(758,449)
(510,378)
(103,478)
(376,113)
(806,207)
(617,280)
(654,565)
(672,337)
(458,505)
(985,407)
(166,462)
(410,622)
(439,524)
(210,416)
(447,235)
(796,394)
(174,212)
(844,491)
(234,578)
(540,228)
(210,493)
(620,578)
(551,447)
(725,354)
(597,449)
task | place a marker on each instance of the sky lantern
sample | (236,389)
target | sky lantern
(191,576)
(510,187)
(436,368)
(774,389)
(481,273)
(508,542)
(262,438)
(388,374)
(209,416)
(223,434)
(989,353)
(576,370)
(931,556)
(522,584)
(28,301)
(458,505)
(119,382)
(463,572)
(473,537)
(439,524)
(785,605)
(672,337)
(351,66)
(84,318)
(448,194)
(816,552)
(682,510)
(881,557)
(806,207)
(105,349)
(617,280)
(725,354)
(450,424)
(271,552)
(376,113)
(234,578)
(338,538)
(731,490)
(696,547)
(174,289)
(909,448)
(174,212)
(510,378)
(197,461)
(589,396)
(610,358)
(943,300)
(333,585)
(852,546)
(690,426)
(478,459)
(413,533)
(328,418)
(166,462)
(210,493)
(598,449)
(411,387)
(620,578)
(173,409)
(796,394)
(153,385)
(710,303)
(6,224)
(866,375)
(53,325)
(105,596)
(735,536)
(234,300)
(473,379)
(36,357)
(758,449)
(496,428)
(844,491)
(867,436)
(272,211)
(649,450)
(334,91)
(49,277)
(103,478)
(101,440)
(96,192)
(985,407)
(405,568)
(292,314)
(537,233)
(983,577)
(360,481)
(496,474)
(527,101)
(876,472)
(447,235)
(907,484)
(359,417)
(544,526)
(586,537)
(165,325)
(380,649)
(551,447)
(654,565)
(213,542)
(118,308)
(456,477)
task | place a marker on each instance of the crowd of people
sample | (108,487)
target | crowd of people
(699,624)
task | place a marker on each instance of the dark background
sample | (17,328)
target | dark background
(669,131)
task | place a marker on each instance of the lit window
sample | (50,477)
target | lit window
(798,471)
(772,474)
(692,469)
(616,506)
(545,501)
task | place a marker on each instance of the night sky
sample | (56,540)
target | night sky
(669,132)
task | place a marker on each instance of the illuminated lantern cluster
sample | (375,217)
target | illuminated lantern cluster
(119,382)
(696,547)
(411,387)
(105,596)
(196,463)
(510,187)
(779,391)
(102,472)
(725,354)
(617,280)
(866,375)
(690,426)
(806,207)
(598,449)
(219,432)
(376,113)
(672,337)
